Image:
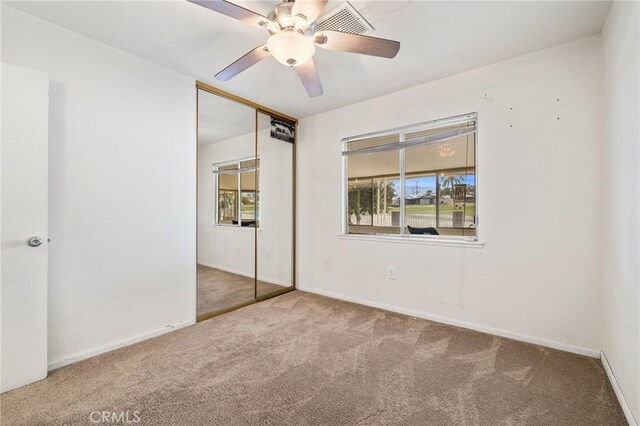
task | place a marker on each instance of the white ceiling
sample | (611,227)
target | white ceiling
(438,39)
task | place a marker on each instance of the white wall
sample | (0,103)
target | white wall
(621,320)
(539,194)
(122,193)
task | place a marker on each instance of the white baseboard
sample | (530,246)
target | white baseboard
(244,274)
(276,282)
(580,350)
(616,388)
(119,344)
(227,269)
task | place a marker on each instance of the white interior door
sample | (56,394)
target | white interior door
(24,154)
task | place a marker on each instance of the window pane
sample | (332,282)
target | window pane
(420,200)
(248,198)
(440,188)
(226,206)
(227,201)
(373,193)
(457,201)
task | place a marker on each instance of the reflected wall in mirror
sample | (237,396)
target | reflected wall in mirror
(275,235)
(227,203)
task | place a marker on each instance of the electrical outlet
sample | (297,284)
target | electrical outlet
(391,273)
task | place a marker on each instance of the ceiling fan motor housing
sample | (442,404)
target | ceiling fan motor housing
(282,15)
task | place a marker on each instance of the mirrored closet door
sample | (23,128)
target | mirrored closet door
(274,241)
(245,203)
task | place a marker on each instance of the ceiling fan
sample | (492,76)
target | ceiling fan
(293,39)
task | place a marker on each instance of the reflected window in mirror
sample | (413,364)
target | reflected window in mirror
(236,193)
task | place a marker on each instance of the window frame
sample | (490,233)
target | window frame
(445,240)
(216,193)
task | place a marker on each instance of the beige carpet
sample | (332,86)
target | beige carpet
(302,359)
(218,290)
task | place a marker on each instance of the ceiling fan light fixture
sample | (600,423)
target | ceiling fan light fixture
(291,48)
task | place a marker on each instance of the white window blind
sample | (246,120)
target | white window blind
(423,134)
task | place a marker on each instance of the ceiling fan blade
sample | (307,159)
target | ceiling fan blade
(354,43)
(251,58)
(234,11)
(310,9)
(309,76)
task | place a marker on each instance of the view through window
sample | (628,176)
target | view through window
(416,181)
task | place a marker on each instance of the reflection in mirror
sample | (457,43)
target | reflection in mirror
(227,191)
(275,213)
(227,203)
(248,194)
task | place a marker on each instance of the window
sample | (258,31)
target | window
(417,181)
(231,179)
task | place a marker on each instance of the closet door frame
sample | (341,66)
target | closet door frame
(267,111)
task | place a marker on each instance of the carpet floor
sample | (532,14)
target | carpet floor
(218,290)
(303,359)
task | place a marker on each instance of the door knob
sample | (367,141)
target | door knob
(35,241)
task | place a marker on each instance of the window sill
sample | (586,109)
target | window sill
(235,228)
(433,241)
